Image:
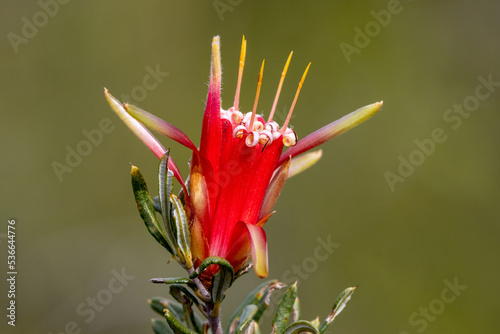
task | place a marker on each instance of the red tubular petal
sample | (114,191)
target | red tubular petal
(263,169)
(249,238)
(211,133)
(258,244)
(274,190)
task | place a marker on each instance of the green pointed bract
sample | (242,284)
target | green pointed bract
(161,327)
(246,318)
(304,161)
(146,208)
(177,326)
(284,310)
(339,305)
(301,326)
(183,236)
(315,322)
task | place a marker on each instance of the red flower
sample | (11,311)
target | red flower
(239,169)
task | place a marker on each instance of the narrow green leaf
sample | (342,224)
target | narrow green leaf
(176,325)
(265,301)
(183,295)
(246,317)
(260,296)
(243,271)
(210,261)
(156,204)
(146,209)
(193,320)
(296,310)
(284,310)
(183,236)
(255,325)
(301,326)
(164,195)
(221,282)
(159,304)
(176,280)
(161,327)
(339,305)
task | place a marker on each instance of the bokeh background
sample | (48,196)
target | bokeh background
(399,240)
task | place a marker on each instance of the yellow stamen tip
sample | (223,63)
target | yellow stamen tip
(295,99)
(216,60)
(259,84)
(283,74)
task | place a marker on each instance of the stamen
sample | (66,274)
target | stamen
(259,83)
(272,126)
(240,73)
(239,131)
(265,137)
(283,74)
(295,100)
(258,126)
(252,139)
(216,68)
(289,138)
(236,117)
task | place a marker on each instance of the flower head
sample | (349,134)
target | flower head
(239,169)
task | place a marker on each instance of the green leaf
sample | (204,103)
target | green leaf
(284,310)
(210,261)
(183,295)
(146,209)
(164,181)
(296,310)
(183,236)
(161,327)
(339,305)
(221,282)
(243,271)
(301,326)
(159,304)
(260,296)
(156,204)
(176,325)
(246,318)
(176,280)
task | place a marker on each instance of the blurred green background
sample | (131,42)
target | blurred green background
(399,240)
